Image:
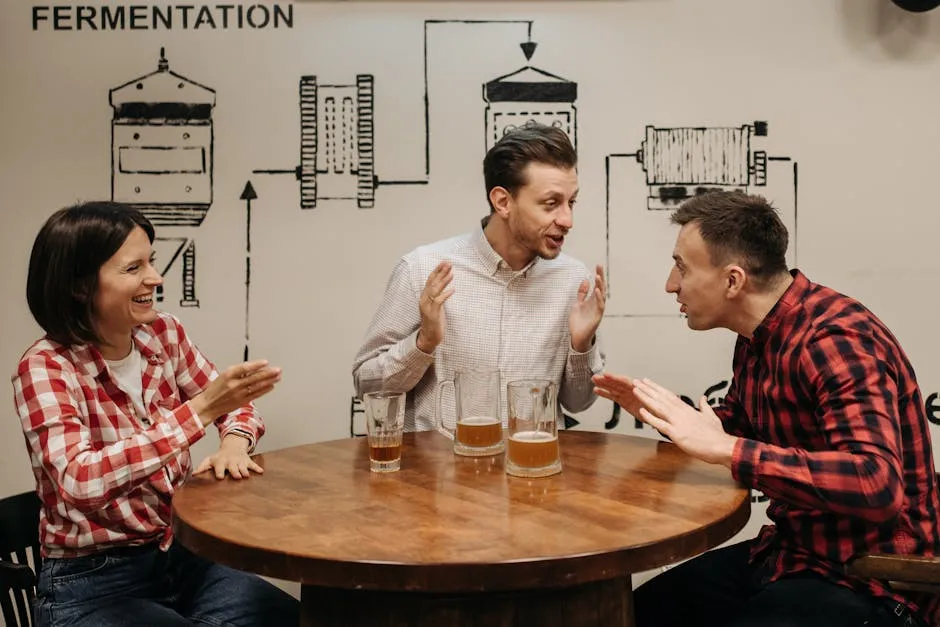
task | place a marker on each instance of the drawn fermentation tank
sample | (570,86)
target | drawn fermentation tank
(529,95)
(162,146)
(161,157)
(684,162)
(337,159)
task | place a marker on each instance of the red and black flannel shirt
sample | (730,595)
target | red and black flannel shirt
(834,431)
(105,477)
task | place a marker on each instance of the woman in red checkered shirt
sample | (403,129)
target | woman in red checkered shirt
(111,399)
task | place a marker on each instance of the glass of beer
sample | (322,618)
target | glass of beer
(532,448)
(385,420)
(477,429)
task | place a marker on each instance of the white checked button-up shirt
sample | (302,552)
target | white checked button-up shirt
(497,319)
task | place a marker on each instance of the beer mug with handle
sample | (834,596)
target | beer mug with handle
(478,430)
(532,447)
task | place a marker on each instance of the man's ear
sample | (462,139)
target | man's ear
(501,200)
(735,278)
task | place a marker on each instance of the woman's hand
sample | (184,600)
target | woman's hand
(232,457)
(235,387)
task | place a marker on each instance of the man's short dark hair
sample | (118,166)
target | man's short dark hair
(506,161)
(742,228)
(67,254)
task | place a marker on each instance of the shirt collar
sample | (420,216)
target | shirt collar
(789,300)
(492,261)
(88,357)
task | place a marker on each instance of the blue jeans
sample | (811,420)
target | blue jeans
(718,589)
(146,586)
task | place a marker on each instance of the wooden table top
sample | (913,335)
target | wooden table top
(449,523)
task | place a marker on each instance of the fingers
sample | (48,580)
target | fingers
(252,392)
(203,466)
(654,391)
(600,285)
(583,290)
(259,383)
(441,298)
(663,404)
(237,468)
(617,388)
(600,280)
(706,409)
(247,368)
(435,288)
(648,396)
(655,421)
(263,377)
(613,382)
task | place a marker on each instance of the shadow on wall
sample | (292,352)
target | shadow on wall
(881,27)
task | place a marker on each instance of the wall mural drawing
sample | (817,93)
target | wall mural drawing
(679,163)
(163,147)
(162,161)
(337,124)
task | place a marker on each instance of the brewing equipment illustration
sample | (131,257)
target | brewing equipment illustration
(529,95)
(162,161)
(337,124)
(682,162)
(336,136)
(679,163)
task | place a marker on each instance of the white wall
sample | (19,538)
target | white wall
(848,89)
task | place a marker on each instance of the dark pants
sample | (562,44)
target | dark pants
(145,586)
(716,589)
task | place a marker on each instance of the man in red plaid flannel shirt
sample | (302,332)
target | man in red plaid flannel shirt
(824,416)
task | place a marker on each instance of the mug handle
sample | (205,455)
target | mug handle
(549,423)
(439,415)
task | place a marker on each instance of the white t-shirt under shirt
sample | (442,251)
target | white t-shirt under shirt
(128,374)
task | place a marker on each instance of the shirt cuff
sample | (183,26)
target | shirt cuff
(585,364)
(744,461)
(245,433)
(412,355)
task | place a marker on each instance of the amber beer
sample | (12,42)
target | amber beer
(385,418)
(384,451)
(479,431)
(533,449)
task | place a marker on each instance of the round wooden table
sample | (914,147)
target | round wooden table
(453,541)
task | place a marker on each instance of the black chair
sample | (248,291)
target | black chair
(19,537)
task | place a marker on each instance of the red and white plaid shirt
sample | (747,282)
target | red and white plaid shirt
(105,476)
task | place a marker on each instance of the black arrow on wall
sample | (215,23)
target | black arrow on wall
(248,194)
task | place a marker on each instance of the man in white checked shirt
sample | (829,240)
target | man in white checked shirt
(502,297)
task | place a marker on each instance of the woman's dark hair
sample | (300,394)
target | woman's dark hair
(68,252)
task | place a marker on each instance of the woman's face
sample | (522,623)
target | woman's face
(125,294)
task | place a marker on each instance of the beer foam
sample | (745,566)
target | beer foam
(532,436)
(478,421)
